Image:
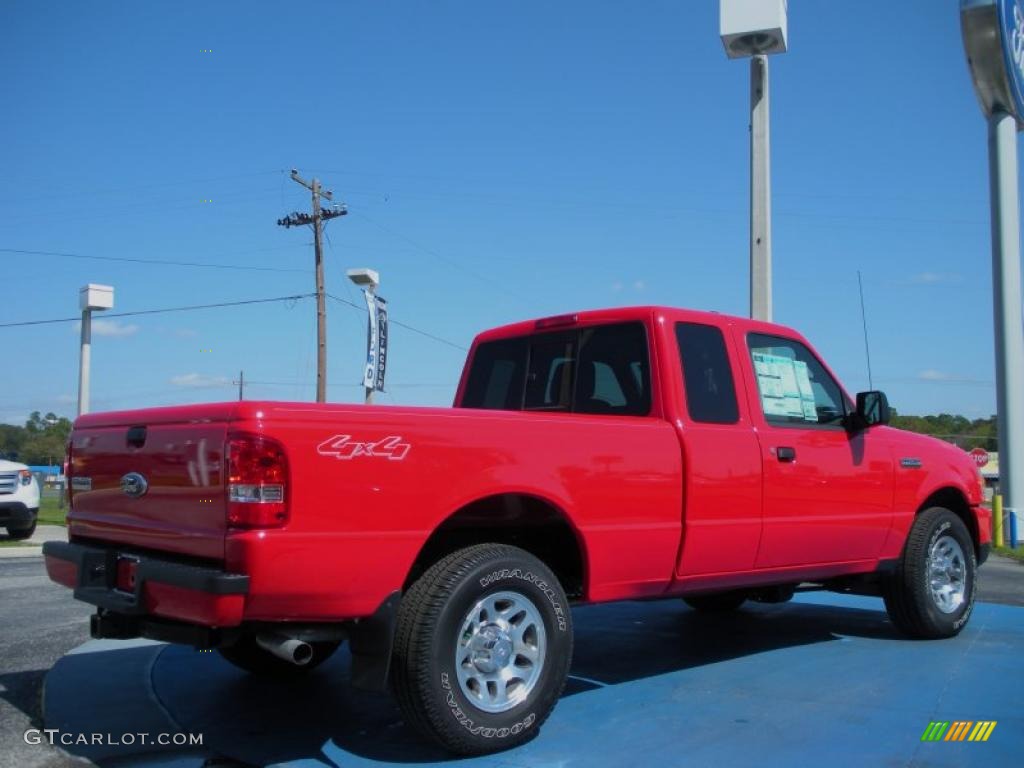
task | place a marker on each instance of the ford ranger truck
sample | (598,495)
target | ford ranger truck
(607,455)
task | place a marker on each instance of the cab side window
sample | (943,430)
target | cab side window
(707,375)
(795,389)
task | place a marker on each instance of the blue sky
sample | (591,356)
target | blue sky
(500,161)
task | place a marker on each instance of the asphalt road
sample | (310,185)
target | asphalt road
(40,622)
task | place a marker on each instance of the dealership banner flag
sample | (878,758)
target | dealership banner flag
(376,342)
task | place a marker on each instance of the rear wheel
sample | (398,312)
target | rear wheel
(482,649)
(719,602)
(931,595)
(248,655)
(22,533)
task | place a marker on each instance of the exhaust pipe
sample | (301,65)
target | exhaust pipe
(291,650)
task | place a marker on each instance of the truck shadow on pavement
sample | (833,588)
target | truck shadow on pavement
(261,721)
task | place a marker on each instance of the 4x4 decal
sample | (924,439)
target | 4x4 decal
(344,447)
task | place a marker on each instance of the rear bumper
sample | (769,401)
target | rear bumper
(162,587)
(17,514)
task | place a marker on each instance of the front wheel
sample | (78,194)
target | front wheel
(931,595)
(482,649)
(22,533)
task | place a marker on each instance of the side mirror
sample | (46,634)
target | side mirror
(872,410)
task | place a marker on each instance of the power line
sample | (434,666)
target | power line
(316,219)
(408,327)
(190,308)
(135,188)
(441,257)
(159,262)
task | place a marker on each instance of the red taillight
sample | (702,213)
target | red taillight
(257,476)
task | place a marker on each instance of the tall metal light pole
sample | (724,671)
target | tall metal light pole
(377,333)
(756,28)
(993,33)
(90,297)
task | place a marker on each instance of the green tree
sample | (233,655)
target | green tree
(41,441)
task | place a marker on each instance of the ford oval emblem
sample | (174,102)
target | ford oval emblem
(134,484)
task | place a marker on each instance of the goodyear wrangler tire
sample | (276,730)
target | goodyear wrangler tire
(931,595)
(482,649)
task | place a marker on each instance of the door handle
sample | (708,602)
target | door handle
(785,453)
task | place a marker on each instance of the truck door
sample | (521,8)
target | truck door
(828,493)
(721,458)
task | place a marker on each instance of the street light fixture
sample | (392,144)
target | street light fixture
(90,297)
(376,338)
(757,28)
(367,279)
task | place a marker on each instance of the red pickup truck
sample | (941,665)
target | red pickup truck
(608,455)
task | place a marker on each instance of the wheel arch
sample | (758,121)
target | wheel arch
(955,501)
(524,520)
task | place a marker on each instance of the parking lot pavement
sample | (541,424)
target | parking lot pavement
(39,623)
(824,679)
(1001,580)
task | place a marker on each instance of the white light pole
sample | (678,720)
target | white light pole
(756,28)
(993,34)
(369,280)
(90,297)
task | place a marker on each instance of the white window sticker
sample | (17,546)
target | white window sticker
(785,386)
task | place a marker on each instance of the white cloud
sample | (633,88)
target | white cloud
(198,380)
(65,399)
(637,285)
(933,278)
(185,333)
(933,375)
(109,328)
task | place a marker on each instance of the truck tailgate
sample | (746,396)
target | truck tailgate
(152,478)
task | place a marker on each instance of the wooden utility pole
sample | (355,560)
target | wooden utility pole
(241,385)
(316,219)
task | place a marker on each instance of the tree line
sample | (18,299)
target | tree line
(964,432)
(41,441)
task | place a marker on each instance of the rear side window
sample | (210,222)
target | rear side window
(550,373)
(614,372)
(707,375)
(496,378)
(602,369)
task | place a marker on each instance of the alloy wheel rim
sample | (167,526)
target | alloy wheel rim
(947,574)
(500,651)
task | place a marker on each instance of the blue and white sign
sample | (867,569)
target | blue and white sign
(993,32)
(376,342)
(1011,27)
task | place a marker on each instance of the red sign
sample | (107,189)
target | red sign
(980,456)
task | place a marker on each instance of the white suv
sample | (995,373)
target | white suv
(19,499)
